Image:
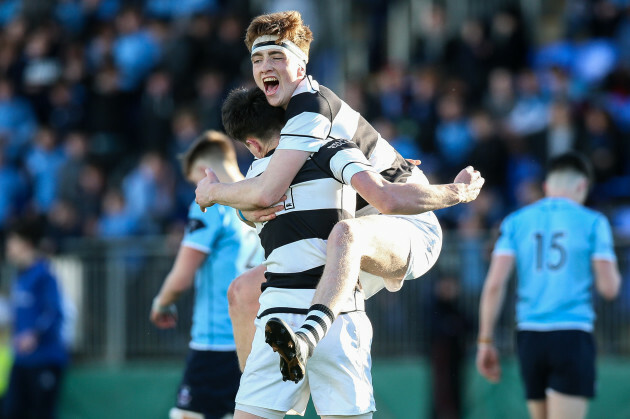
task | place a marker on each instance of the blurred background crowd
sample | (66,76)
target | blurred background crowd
(98,98)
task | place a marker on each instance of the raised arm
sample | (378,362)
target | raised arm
(260,192)
(414,198)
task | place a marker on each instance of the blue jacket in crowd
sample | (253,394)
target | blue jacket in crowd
(37,307)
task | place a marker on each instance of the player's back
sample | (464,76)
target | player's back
(554,241)
(316,115)
(295,241)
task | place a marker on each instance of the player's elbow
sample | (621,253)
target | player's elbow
(609,288)
(385,202)
(384,207)
(607,278)
(266,197)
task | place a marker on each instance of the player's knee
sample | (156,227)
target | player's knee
(234,291)
(244,291)
(176,413)
(345,232)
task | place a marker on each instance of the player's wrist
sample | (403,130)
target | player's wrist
(460,190)
(241,216)
(485,341)
(158,307)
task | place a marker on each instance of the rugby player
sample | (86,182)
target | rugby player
(560,248)
(389,248)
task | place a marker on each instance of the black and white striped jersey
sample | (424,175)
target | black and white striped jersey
(315,115)
(320,195)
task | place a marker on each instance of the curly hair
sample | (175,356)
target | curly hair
(286,25)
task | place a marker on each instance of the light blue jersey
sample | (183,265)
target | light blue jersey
(232,247)
(554,241)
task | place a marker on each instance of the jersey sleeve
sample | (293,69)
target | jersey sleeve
(343,159)
(505,243)
(349,161)
(603,247)
(307,131)
(202,228)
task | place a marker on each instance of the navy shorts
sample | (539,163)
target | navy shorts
(562,360)
(210,383)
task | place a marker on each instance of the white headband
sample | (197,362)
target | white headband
(266,42)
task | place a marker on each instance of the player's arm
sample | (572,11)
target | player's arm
(493,293)
(414,198)
(260,215)
(490,305)
(607,277)
(259,192)
(178,280)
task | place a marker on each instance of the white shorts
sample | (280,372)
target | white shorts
(338,375)
(425,235)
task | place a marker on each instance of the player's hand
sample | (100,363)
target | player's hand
(473,182)
(25,342)
(488,362)
(414,162)
(263,214)
(163,317)
(204,190)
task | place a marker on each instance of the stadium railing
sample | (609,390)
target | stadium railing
(111,285)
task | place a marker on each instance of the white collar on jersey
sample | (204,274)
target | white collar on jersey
(267,42)
(308,84)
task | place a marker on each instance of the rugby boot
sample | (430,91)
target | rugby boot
(283,340)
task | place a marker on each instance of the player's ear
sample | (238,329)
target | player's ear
(582,187)
(301,71)
(545,187)
(254,146)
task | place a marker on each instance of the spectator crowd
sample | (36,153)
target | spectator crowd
(98,98)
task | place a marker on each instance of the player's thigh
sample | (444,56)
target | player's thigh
(533,362)
(562,406)
(572,359)
(537,409)
(383,242)
(252,412)
(210,383)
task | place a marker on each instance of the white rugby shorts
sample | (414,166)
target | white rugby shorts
(425,237)
(338,375)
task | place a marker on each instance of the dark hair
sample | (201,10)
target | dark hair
(30,229)
(246,113)
(572,160)
(210,143)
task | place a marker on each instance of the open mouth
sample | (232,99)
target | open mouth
(271,85)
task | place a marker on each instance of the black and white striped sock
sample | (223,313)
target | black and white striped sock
(318,321)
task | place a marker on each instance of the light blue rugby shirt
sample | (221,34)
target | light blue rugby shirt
(232,247)
(554,241)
